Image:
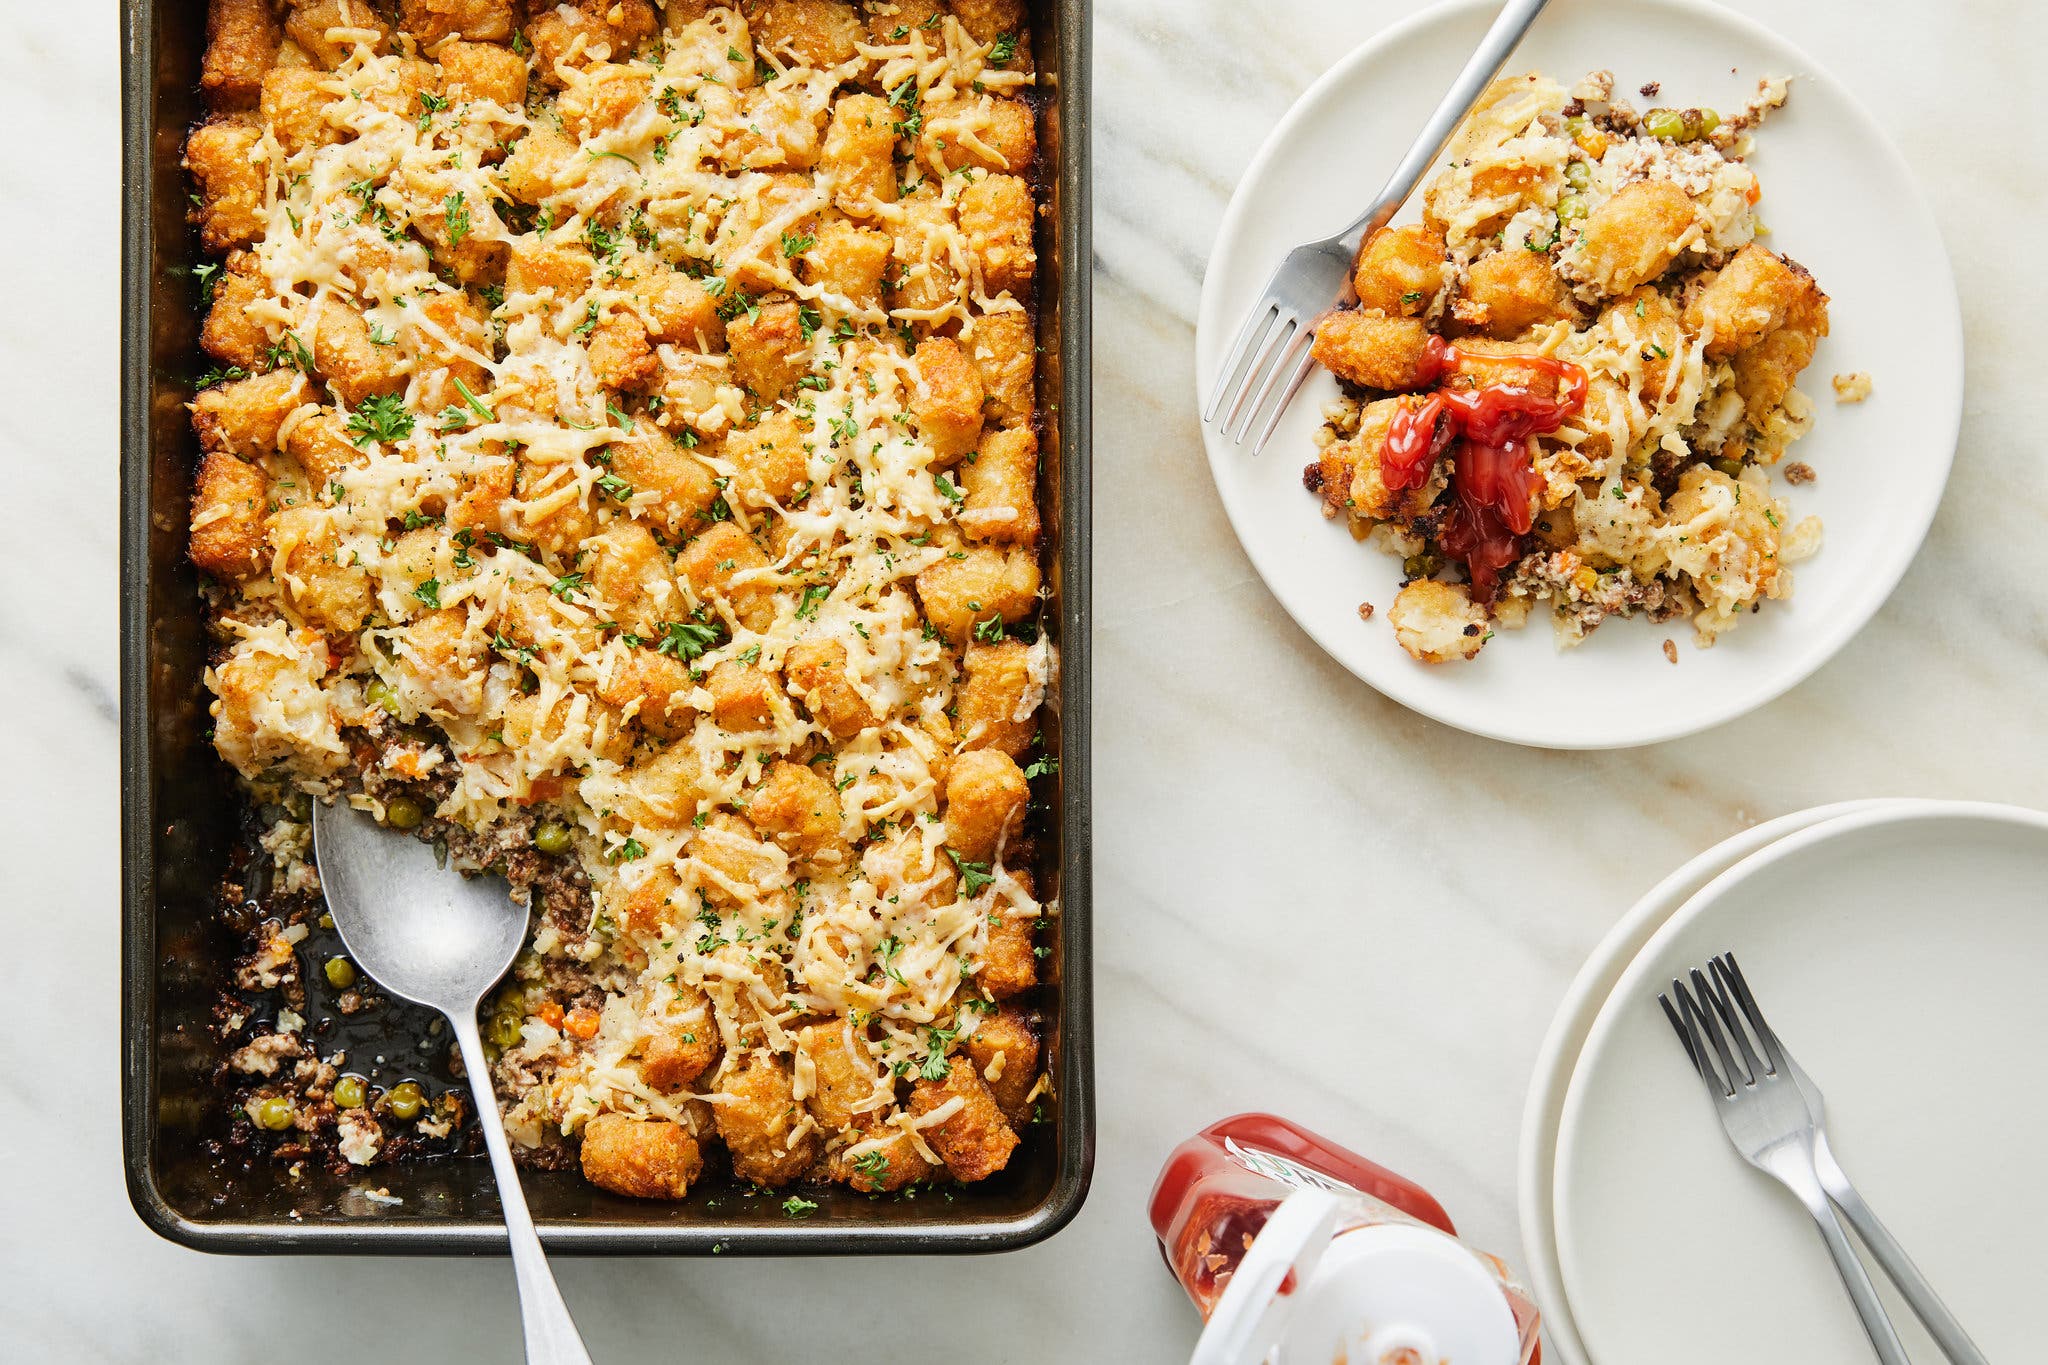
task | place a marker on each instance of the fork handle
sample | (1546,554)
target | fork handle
(1795,1169)
(1884,1248)
(1487,59)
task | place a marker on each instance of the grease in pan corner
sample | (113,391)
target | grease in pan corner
(1569,382)
(621,468)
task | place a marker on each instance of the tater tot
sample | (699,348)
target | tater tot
(985,796)
(816,669)
(1372,350)
(1511,290)
(1000,483)
(1634,237)
(997,698)
(759,1122)
(983,584)
(1746,300)
(1004,1049)
(644,1158)
(976,1140)
(1400,270)
(227,517)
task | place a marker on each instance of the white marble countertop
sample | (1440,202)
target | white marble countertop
(1241,776)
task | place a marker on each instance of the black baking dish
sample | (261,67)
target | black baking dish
(179,803)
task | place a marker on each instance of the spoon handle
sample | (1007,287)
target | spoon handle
(551,1336)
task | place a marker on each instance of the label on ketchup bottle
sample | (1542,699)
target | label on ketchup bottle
(1295,1249)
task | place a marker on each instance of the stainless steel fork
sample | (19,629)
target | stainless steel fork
(1271,355)
(1776,1118)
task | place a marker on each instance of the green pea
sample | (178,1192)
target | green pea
(1570,208)
(1665,123)
(381,694)
(405,1100)
(350,1092)
(341,973)
(272,1112)
(1578,174)
(1732,468)
(1700,122)
(1421,566)
(402,812)
(552,837)
(505,1029)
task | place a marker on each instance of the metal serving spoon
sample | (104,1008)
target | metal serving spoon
(427,933)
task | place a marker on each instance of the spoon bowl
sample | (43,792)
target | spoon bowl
(423,931)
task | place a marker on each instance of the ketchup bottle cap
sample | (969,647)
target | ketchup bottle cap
(1386,1294)
(1253,1314)
(1396,1293)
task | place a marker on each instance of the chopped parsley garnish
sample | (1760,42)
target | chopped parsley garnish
(457,218)
(686,640)
(566,584)
(794,245)
(973,876)
(909,99)
(616,486)
(291,353)
(475,405)
(518,651)
(989,632)
(1005,48)
(796,1206)
(948,488)
(1041,767)
(627,852)
(381,417)
(814,594)
(429,592)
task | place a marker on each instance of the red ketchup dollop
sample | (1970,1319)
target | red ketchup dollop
(1492,479)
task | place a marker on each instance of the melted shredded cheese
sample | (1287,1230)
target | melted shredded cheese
(468,569)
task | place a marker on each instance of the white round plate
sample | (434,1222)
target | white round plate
(1537,1163)
(1898,953)
(1836,196)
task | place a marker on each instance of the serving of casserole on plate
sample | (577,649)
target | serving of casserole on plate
(622,459)
(1599,431)
(1686,490)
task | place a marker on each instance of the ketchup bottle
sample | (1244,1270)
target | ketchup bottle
(1299,1252)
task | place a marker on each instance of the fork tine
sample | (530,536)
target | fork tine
(1266,368)
(1304,362)
(1285,352)
(1252,331)
(1732,979)
(1685,1034)
(1717,996)
(1702,1017)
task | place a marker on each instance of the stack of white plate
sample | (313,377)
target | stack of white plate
(1900,950)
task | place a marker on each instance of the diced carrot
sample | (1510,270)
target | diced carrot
(550,1013)
(580,1022)
(542,789)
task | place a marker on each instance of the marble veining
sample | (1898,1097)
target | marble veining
(1309,900)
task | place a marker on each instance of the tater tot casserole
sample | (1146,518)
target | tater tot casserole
(620,468)
(1567,384)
